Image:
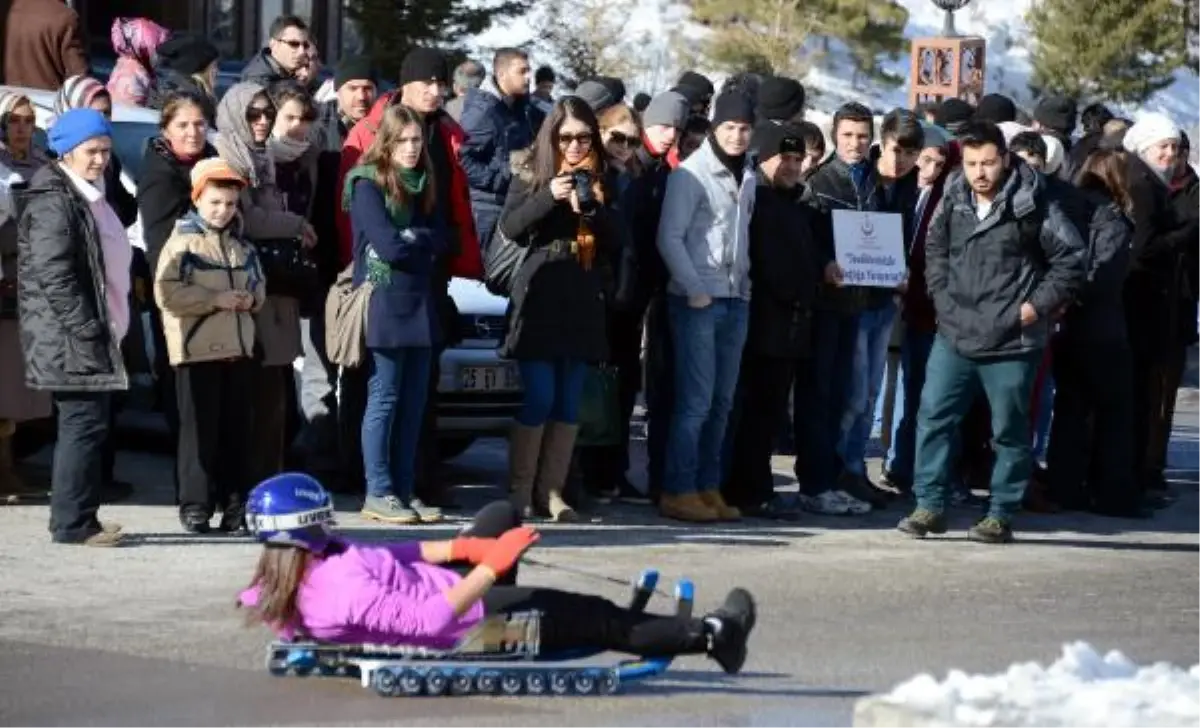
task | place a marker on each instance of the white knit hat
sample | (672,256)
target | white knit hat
(1148,131)
(1055,154)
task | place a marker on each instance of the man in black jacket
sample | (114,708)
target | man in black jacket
(1002,260)
(288,50)
(785,270)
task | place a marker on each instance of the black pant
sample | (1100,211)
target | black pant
(660,389)
(77,480)
(269,419)
(214,433)
(603,467)
(429,487)
(352,407)
(763,384)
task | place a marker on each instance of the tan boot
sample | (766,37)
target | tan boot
(13,489)
(717,504)
(556,463)
(687,507)
(524,447)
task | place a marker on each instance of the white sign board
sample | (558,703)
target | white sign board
(869,247)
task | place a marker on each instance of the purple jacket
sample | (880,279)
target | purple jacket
(377,594)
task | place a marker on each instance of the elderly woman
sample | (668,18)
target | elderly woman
(246,118)
(73,264)
(19,160)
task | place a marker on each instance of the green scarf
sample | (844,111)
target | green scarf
(412,180)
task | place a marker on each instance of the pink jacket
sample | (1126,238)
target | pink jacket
(380,594)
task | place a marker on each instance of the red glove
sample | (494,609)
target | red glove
(471,550)
(508,549)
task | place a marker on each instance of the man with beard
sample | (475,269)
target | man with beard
(423,78)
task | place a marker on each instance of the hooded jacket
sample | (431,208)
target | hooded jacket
(495,129)
(980,272)
(376,594)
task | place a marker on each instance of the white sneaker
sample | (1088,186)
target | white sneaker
(825,504)
(854,506)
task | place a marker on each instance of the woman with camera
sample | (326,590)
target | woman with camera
(556,321)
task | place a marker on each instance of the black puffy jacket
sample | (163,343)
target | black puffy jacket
(65,332)
(979,272)
(1099,314)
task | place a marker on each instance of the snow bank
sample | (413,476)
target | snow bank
(1080,689)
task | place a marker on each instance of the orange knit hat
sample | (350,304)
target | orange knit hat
(212,169)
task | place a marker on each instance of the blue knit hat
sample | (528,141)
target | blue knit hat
(76,127)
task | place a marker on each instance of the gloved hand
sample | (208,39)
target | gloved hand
(509,548)
(471,550)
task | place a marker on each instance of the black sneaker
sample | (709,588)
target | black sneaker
(729,630)
(776,509)
(920,523)
(629,494)
(861,487)
(194,519)
(233,520)
(991,530)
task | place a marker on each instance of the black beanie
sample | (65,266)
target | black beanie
(953,113)
(423,64)
(996,108)
(780,98)
(186,54)
(771,139)
(1057,113)
(353,68)
(615,86)
(641,101)
(697,82)
(732,106)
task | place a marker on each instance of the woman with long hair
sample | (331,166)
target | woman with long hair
(1091,438)
(391,197)
(246,117)
(434,594)
(556,208)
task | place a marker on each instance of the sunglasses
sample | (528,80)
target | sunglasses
(254,113)
(618,138)
(583,139)
(295,44)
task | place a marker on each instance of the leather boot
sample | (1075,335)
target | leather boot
(552,474)
(13,489)
(524,447)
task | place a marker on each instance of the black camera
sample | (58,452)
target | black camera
(583,186)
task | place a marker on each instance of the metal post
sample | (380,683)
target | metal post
(948,25)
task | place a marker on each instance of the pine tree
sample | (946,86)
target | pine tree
(756,35)
(589,38)
(391,28)
(869,29)
(1119,50)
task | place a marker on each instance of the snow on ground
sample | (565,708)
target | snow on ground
(1001,22)
(1082,688)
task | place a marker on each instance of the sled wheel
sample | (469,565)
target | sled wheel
(410,682)
(385,682)
(606,684)
(511,684)
(436,682)
(535,683)
(461,684)
(584,683)
(560,682)
(487,682)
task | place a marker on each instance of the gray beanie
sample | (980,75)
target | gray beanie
(595,95)
(669,108)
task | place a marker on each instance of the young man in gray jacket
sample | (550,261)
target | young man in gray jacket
(703,237)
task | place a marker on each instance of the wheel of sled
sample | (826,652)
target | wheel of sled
(436,682)
(487,682)
(461,684)
(511,684)
(606,684)
(410,682)
(584,683)
(385,682)
(535,683)
(560,683)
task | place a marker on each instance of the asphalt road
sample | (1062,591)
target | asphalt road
(148,634)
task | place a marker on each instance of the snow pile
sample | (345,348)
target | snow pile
(1080,689)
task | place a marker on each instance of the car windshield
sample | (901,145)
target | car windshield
(129,143)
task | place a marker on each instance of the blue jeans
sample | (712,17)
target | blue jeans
(708,354)
(951,384)
(835,336)
(870,356)
(391,427)
(552,391)
(914,356)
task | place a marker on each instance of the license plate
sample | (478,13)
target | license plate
(488,379)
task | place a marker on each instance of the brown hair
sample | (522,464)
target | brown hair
(618,115)
(379,154)
(177,102)
(278,575)
(546,156)
(1107,170)
(285,92)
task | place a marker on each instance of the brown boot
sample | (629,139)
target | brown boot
(524,447)
(717,504)
(13,489)
(557,449)
(687,507)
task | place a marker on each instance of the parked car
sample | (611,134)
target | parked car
(478,392)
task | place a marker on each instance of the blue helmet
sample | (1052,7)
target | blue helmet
(291,509)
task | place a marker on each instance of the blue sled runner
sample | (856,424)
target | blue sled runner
(499,657)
